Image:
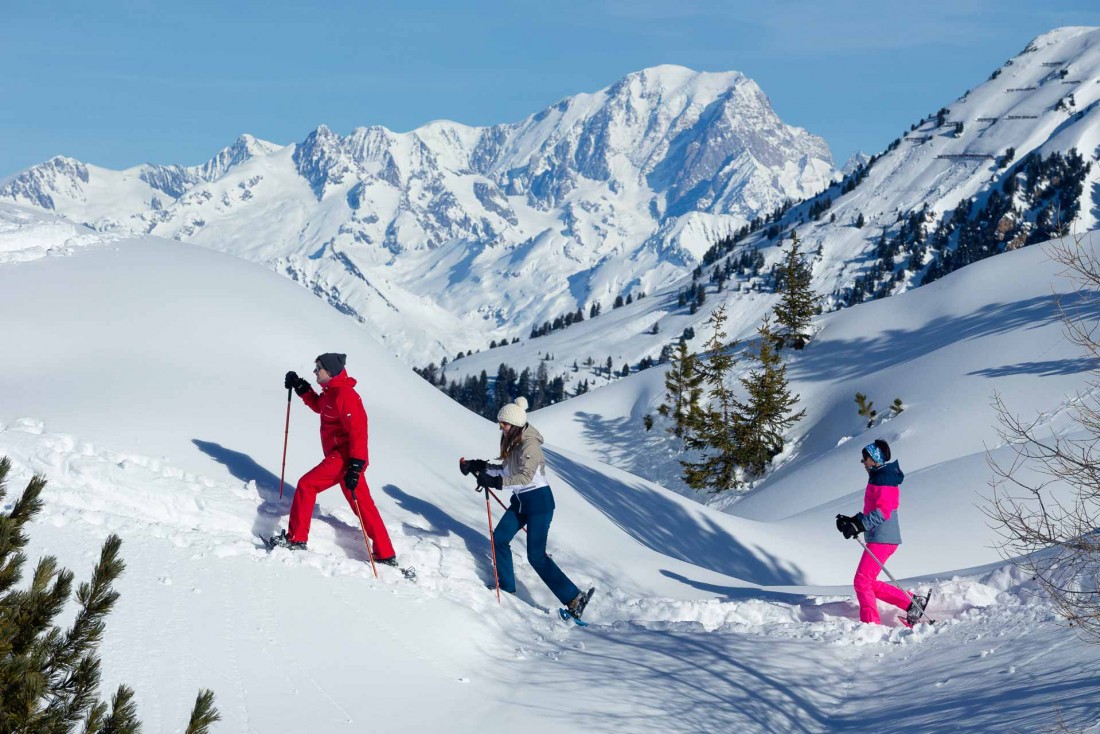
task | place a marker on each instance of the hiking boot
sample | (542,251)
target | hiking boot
(280,540)
(576,607)
(391,561)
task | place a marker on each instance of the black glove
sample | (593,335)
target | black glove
(850,527)
(351,476)
(485,480)
(295,383)
(472,466)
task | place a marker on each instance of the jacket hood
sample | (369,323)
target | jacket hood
(533,433)
(341,380)
(887,475)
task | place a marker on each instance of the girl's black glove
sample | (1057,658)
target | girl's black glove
(472,466)
(850,527)
(486,480)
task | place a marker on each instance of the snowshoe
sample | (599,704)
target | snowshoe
(280,540)
(917,609)
(575,609)
(408,572)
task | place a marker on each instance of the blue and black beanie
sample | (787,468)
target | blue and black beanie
(878,452)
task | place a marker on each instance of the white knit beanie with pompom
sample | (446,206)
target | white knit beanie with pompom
(514,413)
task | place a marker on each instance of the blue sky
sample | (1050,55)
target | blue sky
(122,83)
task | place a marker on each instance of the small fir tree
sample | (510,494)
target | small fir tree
(896,408)
(768,409)
(713,431)
(683,390)
(799,302)
(866,409)
(49,675)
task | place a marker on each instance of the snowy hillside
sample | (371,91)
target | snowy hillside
(447,237)
(156,411)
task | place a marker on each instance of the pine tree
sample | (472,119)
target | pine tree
(896,408)
(866,409)
(713,430)
(799,302)
(49,675)
(767,411)
(683,389)
(860,221)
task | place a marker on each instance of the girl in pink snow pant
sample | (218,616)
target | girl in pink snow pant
(869,589)
(881,526)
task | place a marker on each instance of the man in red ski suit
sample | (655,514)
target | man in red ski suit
(344,442)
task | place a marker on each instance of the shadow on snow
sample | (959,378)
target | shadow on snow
(665,526)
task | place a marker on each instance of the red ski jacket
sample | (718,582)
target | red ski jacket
(343,419)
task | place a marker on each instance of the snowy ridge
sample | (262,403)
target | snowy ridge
(28,235)
(448,236)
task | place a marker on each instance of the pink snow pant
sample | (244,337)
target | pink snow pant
(869,589)
(328,473)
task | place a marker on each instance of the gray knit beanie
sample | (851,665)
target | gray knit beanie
(332,362)
(514,413)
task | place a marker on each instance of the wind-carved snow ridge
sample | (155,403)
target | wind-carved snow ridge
(27,235)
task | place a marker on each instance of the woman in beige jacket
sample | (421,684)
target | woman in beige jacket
(522,469)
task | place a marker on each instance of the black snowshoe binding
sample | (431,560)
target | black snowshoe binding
(280,540)
(917,608)
(576,607)
(408,572)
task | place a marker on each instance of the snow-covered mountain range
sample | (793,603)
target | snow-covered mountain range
(448,236)
(1044,101)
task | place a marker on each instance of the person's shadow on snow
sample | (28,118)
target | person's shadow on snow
(271,507)
(441,524)
(658,522)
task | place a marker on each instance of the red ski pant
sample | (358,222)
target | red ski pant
(869,589)
(328,473)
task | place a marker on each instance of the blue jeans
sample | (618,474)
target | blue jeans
(538,528)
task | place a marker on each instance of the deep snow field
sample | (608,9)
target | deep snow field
(144,378)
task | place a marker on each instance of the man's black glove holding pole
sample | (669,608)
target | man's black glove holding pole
(354,470)
(295,383)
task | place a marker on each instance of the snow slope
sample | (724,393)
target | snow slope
(144,378)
